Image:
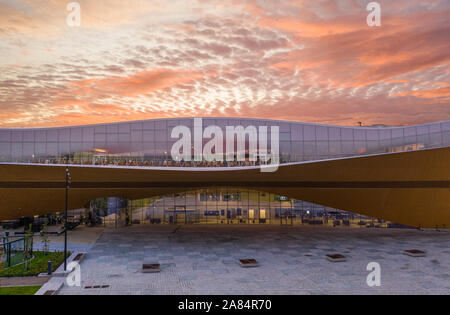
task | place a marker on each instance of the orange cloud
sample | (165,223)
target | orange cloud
(139,83)
(441,93)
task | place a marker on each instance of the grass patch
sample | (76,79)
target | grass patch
(28,290)
(38,265)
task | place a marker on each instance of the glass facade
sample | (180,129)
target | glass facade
(227,206)
(149,143)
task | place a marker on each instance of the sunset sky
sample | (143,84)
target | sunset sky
(303,60)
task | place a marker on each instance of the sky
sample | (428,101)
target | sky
(301,60)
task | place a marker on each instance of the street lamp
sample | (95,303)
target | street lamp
(68,182)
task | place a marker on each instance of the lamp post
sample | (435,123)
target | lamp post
(68,181)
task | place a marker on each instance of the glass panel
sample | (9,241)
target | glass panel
(321,133)
(88,134)
(64,135)
(360,134)
(28,136)
(76,134)
(112,128)
(334,133)
(16,136)
(149,135)
(124,137)
(124,128)
(52,135)
(296,132)
(136,136)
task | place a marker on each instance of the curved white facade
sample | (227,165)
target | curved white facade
(149,142)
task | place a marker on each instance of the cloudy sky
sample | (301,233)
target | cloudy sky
(304,60)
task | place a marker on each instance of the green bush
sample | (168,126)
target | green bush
(37,265)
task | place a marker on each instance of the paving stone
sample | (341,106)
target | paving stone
(203,260)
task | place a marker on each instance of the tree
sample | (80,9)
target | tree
(44,236)
(28,246)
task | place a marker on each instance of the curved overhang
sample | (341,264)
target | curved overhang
(411,188)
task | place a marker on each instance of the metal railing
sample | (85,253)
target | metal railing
(17,251)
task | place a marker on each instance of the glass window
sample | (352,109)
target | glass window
(445,126)
(64,148)
(28,149)
(5,149)
(161,148)
(360,147)
(88,146)
(372,135)
(435,127)
(16,150)
(309,133)
(64,135)
(186,122)
(446,137)
(321,133)
(309,147)
(285,127)
(161,124)
(16,136)
(172,123)
(52,149)
(148,125)
(347,134)
(322,148)
(410,132)
(5,136)
(136,148)
(52,135)
(297,147)
(124,128)
(161,135)
(124,137)
(284,136)
(148,146)
(136,126)
(40,149)
(28,136)
(136,135)
(124,147)
(76,147)
(335,148)
(334,133)
(385,134)
(285,148)
(100,137)
(100,129)
(297,132)
(360,135)
(397,133)
(75,134)
(148,135)
(88,134)
(422,130)
(112,128)
(347,147)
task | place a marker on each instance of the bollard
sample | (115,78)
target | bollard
(49,267)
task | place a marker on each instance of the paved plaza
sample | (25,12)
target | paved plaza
(204,260)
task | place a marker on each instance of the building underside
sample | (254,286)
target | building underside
(411,188)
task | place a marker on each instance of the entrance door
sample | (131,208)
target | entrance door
(285,216)
(180,215)
(251,216)
(262,216)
